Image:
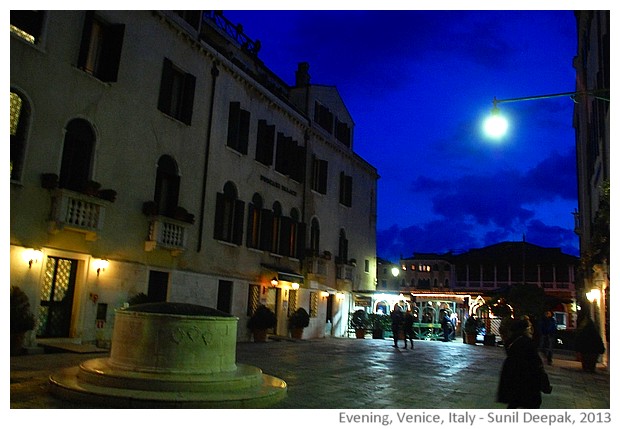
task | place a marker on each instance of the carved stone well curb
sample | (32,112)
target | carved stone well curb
(170,355)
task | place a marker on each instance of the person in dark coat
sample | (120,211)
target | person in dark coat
(548,333)
(446,326)
(408,328)
(397,324)
(523,376)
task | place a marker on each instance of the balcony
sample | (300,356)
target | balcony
(166,233)
(77,212)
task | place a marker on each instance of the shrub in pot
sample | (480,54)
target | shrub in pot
(298,320)
(262,320)
(22,319)
(359,323)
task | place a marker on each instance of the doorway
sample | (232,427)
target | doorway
(56,298)
(158,286)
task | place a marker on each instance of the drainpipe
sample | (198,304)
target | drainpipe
(214,74)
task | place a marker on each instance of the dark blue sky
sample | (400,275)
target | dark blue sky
(418,85)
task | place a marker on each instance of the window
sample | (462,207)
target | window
(276,225)
(100,51)
(238,128)
(228,215)
(292,234)
(346,189)
(253,299)
(255,209)
(343,133)
(77,155)
(323,117)
(366,265)
(192,17)
(319,175)
(27,24)
(290,158)
(176,93)
(167,185)
(315,236)
(264,142)
(20,117)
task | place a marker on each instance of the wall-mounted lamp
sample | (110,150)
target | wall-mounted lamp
(395,271)
(100,265)
(274,282)
(295,286)
(593,295)
(324,294)
(31,256)
(340,296)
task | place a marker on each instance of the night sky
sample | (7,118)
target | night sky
(418,85)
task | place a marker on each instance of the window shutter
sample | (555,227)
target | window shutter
(189,86)
(265,227)
(165,88)
(237,234)
(301,240)
(244,131)
(86,35)
(111,55)
(233,124)
(322,176)
(285,235)
(248,237)
(218,227)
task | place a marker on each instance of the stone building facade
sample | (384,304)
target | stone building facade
(152,152)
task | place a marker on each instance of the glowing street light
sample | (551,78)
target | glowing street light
(496,125)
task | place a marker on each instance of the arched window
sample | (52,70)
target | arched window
(77,155)
(167,185)
(228,215)
(255,209)
(315,236)
(293,235)
(20,118)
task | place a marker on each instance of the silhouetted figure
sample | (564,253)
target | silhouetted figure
(408,328)
(548,333)
(397,323)
(523,375)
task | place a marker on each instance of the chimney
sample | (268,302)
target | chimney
(302,78)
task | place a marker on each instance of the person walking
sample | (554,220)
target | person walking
(523,376)
(397,323)
(446,325)
(408,328)
(548,333)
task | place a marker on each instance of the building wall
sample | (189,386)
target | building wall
(131,134)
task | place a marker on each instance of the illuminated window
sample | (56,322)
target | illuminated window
(228,215)
(27,24)
(20,114)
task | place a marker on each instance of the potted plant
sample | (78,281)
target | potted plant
(359,323)
(470,330)
(379,323)
(298,320)
(22,319)
(588,344)
(262,320)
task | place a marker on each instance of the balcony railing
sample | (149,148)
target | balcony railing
(166,233)
(78,212)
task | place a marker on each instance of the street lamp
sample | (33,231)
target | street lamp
(496,125)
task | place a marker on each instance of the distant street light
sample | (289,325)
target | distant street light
(496,125)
